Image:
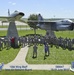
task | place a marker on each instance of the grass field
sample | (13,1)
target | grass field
(55,53)
(8,55)
(23,32)
(64,34)
(36,73)
(57,56)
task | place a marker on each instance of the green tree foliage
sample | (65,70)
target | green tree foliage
(33,17)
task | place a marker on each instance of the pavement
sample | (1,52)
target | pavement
(17,29)
(7,23)
(17,24)
(19,60)
(20,63)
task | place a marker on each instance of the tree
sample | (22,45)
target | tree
(33,17)
(32,24)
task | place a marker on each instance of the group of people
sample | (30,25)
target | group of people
(65,43)
(35,40)
(5,43)
(46,50)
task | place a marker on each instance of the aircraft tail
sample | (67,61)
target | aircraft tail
(8,12)
(40,21)
(40,18)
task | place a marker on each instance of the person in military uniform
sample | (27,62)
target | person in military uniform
(0,45)
(35,51)
(46,49)
(69,44)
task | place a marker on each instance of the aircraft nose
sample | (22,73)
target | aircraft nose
(72,26)
(22,14)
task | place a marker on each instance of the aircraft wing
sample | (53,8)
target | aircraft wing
(47,22)
(58,19)
(22,20)
(3,18)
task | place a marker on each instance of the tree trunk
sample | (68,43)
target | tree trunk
(34,31)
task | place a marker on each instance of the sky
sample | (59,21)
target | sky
(48,8)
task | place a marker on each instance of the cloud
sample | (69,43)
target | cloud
(12,3)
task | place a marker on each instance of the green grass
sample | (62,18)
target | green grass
(64,34)
(57,56)
(7,56)
(24,32)
(36,73)
(3,33)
